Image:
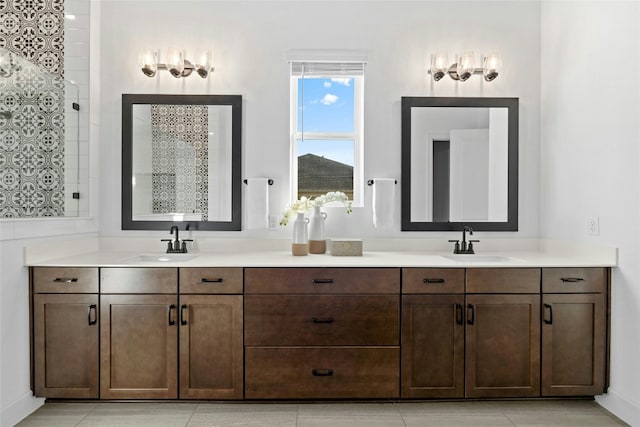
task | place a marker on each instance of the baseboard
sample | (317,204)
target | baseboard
(19,409)
(621,407)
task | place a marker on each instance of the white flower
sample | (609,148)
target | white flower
(304,204)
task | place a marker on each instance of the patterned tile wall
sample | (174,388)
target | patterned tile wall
(32,124)
(180,159)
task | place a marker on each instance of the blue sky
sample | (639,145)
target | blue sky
(328,107)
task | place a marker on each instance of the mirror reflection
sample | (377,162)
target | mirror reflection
(181,161)
(459,163)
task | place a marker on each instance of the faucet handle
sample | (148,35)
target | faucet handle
(456,248)
(454,241)
(169,246)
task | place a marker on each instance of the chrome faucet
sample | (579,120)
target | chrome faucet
(176,246)
(463,247)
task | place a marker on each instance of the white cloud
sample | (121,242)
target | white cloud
(327,84)
(329,99)
(345,81)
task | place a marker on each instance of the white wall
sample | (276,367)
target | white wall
(250,41)
(589,159)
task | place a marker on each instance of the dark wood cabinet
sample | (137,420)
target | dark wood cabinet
(433,346)
(324,333)
(139,347)
(211,348)
(65,332)
(503,346)
(139,333)
(66,345)
(573,332)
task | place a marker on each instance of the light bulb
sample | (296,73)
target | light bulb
(175,62)
(465,65)
(492,63)
(439,65)
(148,62)
(203,65)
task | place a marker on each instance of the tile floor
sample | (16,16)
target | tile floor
(493,413)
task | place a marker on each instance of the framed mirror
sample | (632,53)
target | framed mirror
(459,164)
(181,161)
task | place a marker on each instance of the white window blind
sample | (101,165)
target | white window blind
(326,68)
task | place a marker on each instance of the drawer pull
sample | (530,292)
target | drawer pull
(322,372)
(550,321)
(572,279)
(216,280)
(65,280)
(322,319)
(428,280)
(92,308)
(322,281)
(183,307)
(171,319)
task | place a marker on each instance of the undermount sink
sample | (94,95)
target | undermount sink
(159,258)
(478,258)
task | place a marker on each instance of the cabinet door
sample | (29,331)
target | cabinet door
(139,347)
(503,346)
(432,346)
(573,344)
(66,345)
(211,349)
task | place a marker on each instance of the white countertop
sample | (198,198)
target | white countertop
(532,254)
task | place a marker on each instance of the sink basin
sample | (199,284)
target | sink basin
(159,258)
(478,258)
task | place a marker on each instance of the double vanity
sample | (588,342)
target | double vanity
(266,325)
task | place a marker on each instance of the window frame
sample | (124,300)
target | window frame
(357,136)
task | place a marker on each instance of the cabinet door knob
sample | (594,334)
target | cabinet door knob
(459,314)
(92,308)
(171,320)
(183,307)
(550,320)
(472,314)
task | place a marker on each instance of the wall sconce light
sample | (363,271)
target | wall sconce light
(464,66)
(175,63)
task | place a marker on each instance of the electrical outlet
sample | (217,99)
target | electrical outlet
(273,222)
(593,226)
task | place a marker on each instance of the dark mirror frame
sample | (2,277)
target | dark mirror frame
(235,101)
(409,102)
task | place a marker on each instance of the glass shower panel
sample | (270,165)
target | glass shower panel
(39,155)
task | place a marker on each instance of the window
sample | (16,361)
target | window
(327,129)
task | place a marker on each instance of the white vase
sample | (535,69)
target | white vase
(300,243)
(317,239)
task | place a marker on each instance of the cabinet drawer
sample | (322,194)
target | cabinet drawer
(503,280)
(211,280)
(433,280)
(272,320)
(70,280)
(150,280)
(322,280)
(574,280)
(322,372)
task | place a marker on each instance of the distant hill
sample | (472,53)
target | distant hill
(318,175)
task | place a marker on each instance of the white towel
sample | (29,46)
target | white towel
(383,202)
(257,203)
